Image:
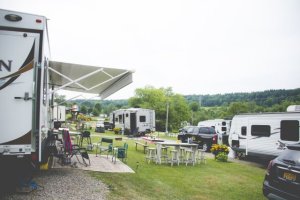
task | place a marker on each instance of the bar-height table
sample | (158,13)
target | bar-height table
(177,146)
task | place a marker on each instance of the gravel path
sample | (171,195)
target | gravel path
(63,184)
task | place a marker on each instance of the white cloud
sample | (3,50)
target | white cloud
(195,47)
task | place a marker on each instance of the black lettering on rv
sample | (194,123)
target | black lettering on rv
(7,66)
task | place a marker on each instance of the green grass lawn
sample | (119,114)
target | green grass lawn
(213,180)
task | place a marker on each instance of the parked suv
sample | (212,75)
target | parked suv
(204,136)
(282,178)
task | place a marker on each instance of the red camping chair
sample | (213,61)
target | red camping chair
(69,150)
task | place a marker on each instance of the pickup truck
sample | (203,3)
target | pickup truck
(204,136)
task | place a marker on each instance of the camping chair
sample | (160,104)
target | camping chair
(121,152)
(104,145)
(69,150)
(85,136)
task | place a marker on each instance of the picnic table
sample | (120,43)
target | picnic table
(144,145)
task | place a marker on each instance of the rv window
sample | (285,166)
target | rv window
(120,118)
(224,129)
(142,118)
(116,119)
(244,130)
(289,130)
(126,115)
(261,130)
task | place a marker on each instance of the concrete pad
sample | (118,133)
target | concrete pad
(99,164)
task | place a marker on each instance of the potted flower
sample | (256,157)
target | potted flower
(117,130)
(220,151)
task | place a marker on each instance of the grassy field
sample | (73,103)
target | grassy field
(213,180)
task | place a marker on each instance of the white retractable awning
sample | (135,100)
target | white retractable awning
(88,79)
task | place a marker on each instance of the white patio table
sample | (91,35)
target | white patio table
(177,146)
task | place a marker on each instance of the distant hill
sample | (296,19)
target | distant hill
(264,98)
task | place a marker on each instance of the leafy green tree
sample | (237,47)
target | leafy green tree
(60,99)
(83,109)
(157,99)
(194,106)
(98,107)
(237,107)
(96,112)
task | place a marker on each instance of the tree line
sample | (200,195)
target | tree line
(191,109)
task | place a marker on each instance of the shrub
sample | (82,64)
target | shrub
(220,152)
(222,156)
(117,130)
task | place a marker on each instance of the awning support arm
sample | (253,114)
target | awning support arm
(64,76)
(108,80)
(75,81)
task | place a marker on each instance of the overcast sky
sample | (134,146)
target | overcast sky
(195,47)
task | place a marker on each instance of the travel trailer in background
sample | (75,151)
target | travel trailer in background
(136,121)
(28,81)
(221,126)
(264,134)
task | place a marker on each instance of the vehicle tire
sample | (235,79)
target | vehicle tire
(205,147)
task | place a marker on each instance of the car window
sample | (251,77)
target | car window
(212,130)
(190,130)
(207,130)
(204,130)
(196,130)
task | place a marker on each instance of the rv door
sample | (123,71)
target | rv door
(18,53)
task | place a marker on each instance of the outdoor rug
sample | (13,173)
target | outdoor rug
(99,164)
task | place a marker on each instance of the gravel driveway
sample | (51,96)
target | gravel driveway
(63,184)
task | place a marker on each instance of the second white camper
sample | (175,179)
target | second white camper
(265,134)
(137,121)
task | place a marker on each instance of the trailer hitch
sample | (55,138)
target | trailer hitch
(26,97)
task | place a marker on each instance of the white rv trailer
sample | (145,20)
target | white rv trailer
(28,80)
(264,134)
(135,120)
(221,126)
(24,105)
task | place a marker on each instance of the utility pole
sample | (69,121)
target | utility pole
(167,117)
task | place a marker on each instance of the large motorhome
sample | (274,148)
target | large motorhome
(28,81)
(24,80)
(137,121)
(221,127)
(264,134)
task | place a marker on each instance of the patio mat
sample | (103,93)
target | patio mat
(99,164)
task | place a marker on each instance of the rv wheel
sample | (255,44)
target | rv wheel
(240,155)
